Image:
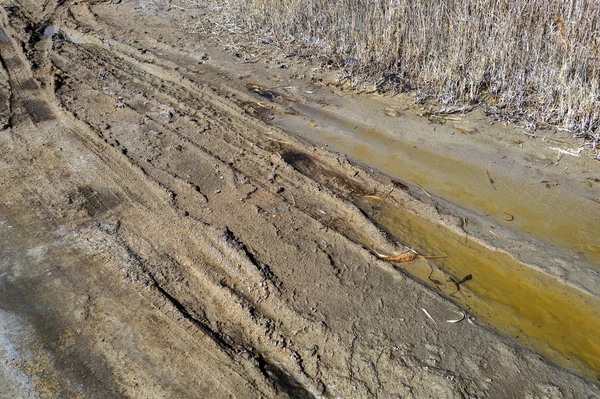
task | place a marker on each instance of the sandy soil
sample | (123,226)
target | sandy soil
(160,240)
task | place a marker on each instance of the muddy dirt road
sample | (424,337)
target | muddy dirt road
(159,239)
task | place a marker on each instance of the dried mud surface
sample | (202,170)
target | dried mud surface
(159,240)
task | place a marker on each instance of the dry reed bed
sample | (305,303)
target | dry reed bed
(538,60)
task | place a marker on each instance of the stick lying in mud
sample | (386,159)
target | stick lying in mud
(370,196)
(571,152)
(428,315)
(422,188)
(276,140)
(458,283)
(510,217)
(436,282)
(407,256)
(464,316)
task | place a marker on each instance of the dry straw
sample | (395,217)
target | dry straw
(538,60)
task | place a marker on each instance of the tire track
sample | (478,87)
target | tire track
(236,232)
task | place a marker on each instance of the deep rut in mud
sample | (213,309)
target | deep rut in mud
(199,251)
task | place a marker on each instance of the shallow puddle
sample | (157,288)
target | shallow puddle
(544,209)
(559,322)
(555,319)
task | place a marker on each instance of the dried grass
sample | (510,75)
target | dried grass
(534,60)
(407,256)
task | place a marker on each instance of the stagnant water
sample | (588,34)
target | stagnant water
(555,319)
(569,221)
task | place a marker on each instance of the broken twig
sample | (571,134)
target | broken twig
(421,187)
(370,196)
(428,315)
(407,256)
(571,152)
(510,217)
(458,283)
(463,316)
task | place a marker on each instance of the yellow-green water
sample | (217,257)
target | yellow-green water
(552,214)
(553,318)
(559,321)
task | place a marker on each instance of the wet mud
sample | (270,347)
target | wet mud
(174,223)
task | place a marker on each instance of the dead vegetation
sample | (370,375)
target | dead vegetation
(407,256)
(536,61)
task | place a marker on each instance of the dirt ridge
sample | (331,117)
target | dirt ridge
(207,261)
